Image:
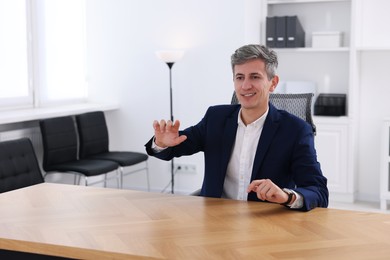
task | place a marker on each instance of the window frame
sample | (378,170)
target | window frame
(35,61)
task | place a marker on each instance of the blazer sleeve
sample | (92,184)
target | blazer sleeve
(308,177)
(287,156)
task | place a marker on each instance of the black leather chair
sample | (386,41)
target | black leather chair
(19,166)
(94,144)
(299,105)
(60,152)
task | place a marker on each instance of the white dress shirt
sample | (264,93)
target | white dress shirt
(239,170)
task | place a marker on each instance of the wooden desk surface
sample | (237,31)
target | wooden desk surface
(90,222)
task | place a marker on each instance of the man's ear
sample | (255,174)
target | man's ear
(274,83)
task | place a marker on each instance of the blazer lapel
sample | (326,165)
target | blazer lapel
(229,137)
(269,129)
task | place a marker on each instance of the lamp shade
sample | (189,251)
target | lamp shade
(170,56)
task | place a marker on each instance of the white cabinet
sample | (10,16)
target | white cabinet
(385,164)
(332,152)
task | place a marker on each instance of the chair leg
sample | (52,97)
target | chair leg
(118,178)
(77,179)
(147,175)
(121,173)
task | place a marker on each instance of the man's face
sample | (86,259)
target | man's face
(252,85)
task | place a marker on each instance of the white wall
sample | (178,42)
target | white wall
(373,41)
(123,36)
(122,39)
(374,107)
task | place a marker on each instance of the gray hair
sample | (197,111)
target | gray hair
(256,51)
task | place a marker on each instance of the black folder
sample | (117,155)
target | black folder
(281,31)
(295,35)
(270,31)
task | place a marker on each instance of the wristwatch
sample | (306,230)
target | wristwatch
(290,194)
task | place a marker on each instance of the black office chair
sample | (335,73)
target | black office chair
(94,144)
(60,152)
(299,105)
(18,165)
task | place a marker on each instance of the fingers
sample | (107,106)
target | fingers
(266,190)
(156,125)
(253,185)
(167,133)
(166,126)
(175,126)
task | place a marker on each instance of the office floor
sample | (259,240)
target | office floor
(359,206)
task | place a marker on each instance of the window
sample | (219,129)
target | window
(44,52)
(14,75)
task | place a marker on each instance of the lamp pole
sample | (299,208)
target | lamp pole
(170,57)
(170,65)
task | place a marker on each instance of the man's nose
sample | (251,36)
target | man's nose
(246,84)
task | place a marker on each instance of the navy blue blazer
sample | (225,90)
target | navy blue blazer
(285,153)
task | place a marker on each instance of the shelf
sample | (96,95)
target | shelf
(23,115)
(275,2)
(332,120)
(309,49)
(373,48)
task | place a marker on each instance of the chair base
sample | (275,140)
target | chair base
(77,178)
(123,174)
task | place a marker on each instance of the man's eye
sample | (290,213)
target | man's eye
(239,78)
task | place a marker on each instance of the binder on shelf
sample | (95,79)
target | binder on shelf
(295,35)
(280,31)
(270,31)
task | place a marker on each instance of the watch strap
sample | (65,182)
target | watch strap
(290,197)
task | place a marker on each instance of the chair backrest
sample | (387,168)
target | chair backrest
(299,105)
(93,133)
(18,165)
(59,139)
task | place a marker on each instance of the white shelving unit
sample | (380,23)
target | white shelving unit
(348,147)
(331,71)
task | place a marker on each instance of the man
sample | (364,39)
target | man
(252,150)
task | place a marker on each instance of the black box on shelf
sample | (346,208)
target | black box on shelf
(330,105)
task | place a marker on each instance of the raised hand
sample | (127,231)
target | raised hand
(167,134)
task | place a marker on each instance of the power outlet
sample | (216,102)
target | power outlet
(185,168)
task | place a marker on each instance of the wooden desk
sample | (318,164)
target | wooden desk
(97,223)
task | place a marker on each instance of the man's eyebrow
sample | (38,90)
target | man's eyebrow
(250,74)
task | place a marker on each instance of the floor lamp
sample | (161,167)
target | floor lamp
(170,57)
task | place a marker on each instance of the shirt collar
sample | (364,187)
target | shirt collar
(257,123)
